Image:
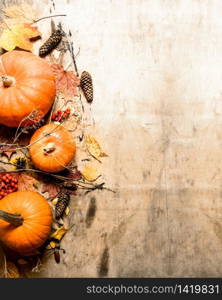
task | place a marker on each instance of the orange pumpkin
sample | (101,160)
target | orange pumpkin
(27,85)
(52,148)
(25,221)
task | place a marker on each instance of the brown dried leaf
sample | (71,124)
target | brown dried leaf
(52,188)
(11,270)
(22,13)
(94,147)
(66,81)
(7,151)
(27,183)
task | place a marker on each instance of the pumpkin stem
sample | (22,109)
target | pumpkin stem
(49,148)
(8,80)
(14,219)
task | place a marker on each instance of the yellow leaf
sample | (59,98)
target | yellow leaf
(90,173)
(94,147)
(59,233)
(18,35)
(27,183)
(12,270)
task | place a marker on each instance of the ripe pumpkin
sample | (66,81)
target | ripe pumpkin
(25,221)
(52,148)
(27,85)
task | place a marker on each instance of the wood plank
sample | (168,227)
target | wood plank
(157,69)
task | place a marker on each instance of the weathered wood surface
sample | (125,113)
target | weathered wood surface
(157,68)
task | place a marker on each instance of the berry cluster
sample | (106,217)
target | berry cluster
(60,115)
(8,184)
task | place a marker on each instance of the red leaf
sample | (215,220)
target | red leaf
(51,188)
(75,174)
(27,182)
(7,150)
(66,81)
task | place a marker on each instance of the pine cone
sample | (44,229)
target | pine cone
(51,43)
(86,85)
(63,201)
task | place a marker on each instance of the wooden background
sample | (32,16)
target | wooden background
(157,69)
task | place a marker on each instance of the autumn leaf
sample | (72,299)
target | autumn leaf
(18,35)
(94,147)
(51,188)
(90,173)
(20,14)
(7,150)
(74,174)
(27,183)
(59,233)
(66,81)
(11,270)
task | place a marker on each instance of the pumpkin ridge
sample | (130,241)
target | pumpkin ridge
(28,239)
(38,224)
(30,229)
(11,234)
(3,66)
(35,88)
(38,214)
(34,101)
(20,105)
(23,96)
(15,74)
(13,110)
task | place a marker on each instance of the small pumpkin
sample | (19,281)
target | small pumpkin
(25,221)
(52,148)
(27,85)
